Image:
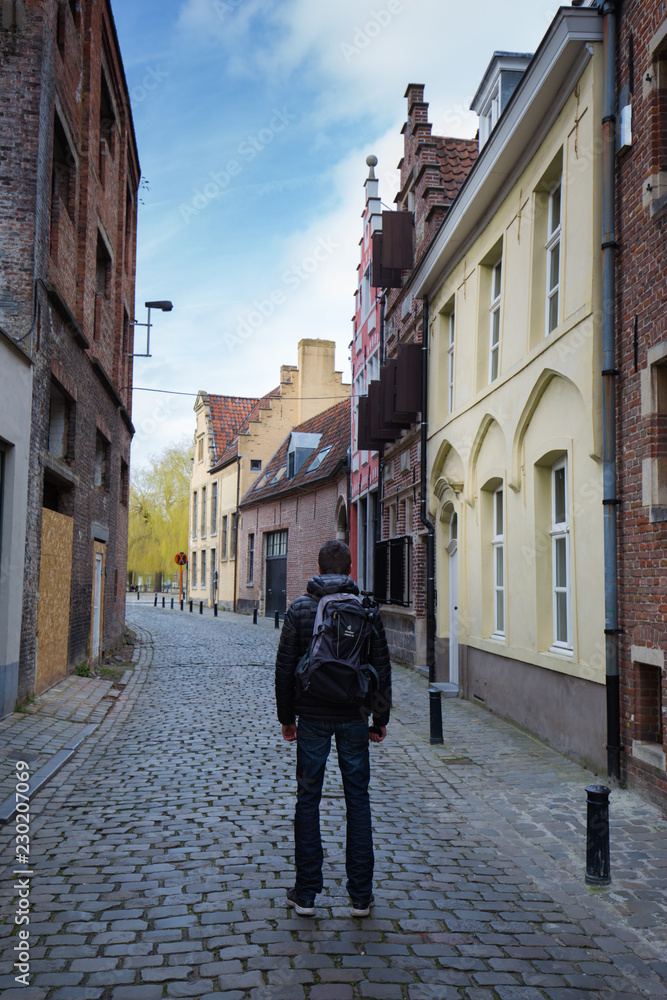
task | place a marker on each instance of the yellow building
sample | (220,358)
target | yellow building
(513,285)
(235,437)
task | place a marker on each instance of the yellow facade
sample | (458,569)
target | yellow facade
(304,391)
(515,438)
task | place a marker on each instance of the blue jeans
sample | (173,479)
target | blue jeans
(312,750)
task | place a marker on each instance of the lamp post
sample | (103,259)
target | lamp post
(165,306)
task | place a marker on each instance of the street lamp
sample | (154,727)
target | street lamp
(162,304)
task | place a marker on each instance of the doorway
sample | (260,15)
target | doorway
(97,616)
(276,574)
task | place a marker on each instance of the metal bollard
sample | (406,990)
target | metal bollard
(277,619)
(190,607)
(598,870)
(155,602)
(201,607)
(435,715)
(215,609)
(138,596)
(182,603)
(254,616)
(163,602)
(172,604)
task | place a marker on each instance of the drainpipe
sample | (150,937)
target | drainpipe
(609,374)
(435,708)
(235,533)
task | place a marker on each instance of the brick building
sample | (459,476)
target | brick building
(68,202)
(432,170)
(641,335)
(300,502)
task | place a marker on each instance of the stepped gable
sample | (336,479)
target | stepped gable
(240,417)
(334,426)
(456,158)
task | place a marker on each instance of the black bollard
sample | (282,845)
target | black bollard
(138,596)
(201,607)
(215,609)
(254,616)
(277,619)
(163,602)
(155,602)
(435,715)
(598,871)
(190,607)
(172,604)
(182,602)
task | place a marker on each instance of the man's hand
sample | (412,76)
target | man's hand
(289,732)
(377,737)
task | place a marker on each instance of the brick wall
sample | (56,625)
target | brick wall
(53,204)
(641,327)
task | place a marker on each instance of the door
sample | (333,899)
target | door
(97,615)
(53,607)
(452,550)
(276,573)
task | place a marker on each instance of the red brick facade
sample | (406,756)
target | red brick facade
(68,202)
(641,213)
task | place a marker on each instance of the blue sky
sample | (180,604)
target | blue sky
(253,120)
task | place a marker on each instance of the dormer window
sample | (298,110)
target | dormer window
(501,79)
(300,448)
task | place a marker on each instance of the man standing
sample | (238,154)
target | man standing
(319,720)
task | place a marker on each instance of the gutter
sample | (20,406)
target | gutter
(610,373)
(435,707)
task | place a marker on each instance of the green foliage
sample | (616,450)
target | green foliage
(82,670)
(159,505)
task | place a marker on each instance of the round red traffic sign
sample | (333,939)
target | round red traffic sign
(181,559)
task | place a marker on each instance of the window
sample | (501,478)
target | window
(214,508)
(214,573)
(102,269)
(203,568)
(64,173)
(224,538)
(276,543)
(560,558)
(194,570)
(498,542)
(451,324)
(235,531)
(107,128)
(101,468)
(654,412)
(200,449)
(194,514)
(553,258)
(494,320)
(59,423)
(124,482)
(255,465)
(203,512)
(251,558)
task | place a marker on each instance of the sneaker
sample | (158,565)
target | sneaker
(303,907)
(361,909)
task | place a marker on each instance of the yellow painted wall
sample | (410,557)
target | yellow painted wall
(545,402)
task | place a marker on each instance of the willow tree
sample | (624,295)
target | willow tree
(159,505)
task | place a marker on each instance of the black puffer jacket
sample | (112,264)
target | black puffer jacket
(294,640)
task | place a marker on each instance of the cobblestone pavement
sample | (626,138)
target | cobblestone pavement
(162,851)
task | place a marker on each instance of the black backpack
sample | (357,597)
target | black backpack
(335,668)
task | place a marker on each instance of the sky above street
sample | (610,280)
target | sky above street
(254,119)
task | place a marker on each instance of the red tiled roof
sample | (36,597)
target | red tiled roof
(334,427)
(456,158)
(228,413)
(230,447)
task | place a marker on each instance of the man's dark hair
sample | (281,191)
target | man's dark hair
(335,557)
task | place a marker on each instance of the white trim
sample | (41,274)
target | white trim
(552,246)
(560,533)
(495,319)
(498,542)
(451,328)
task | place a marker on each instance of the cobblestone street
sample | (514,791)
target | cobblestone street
(162,851)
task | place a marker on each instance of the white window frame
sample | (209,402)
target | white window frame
(560,533)
(193,561)
(498,542)
(552,246)
(451,328)
(202,569)
(194,514)
(494,312)
(214,508)
(203,512)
